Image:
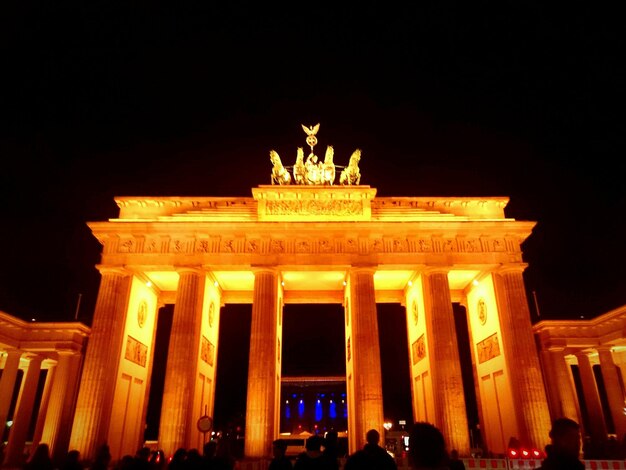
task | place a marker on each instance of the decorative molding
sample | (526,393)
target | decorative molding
(481,309)
(259,245)
(142,313)
(314,208)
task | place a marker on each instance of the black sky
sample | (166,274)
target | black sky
(103,99)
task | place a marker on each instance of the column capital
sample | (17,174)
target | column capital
(109,269)
(605,348)
(582,353)
(507,268)
(365,268)
(264,268)
(33,358)
(13,352)
(193,269)
(436,269)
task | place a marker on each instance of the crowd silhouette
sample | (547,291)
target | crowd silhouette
(427,451)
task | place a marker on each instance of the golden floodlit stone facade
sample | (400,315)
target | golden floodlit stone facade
(310,244)
(304,240)
(584,345)
(36,351)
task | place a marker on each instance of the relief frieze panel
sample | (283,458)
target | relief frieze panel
(303,246)
(470,245)
(488,348)
(312,207)
(231,245)
(181,245)
(496,244)
(151,245)
(449,245)
(424,245)
(377,245)
(400,245)
(350,245)
(271,246)
(326,245)
(418,349)
(136,351)
(203,246)
(277,246)
(207,351)
(253,245)
(126,245)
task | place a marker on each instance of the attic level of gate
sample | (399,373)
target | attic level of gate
(270,203)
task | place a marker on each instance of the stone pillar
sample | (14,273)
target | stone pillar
(23,414)
(445,365)
(522,360)
(57,426)
(367,401)
(562,385)
(182,359)
(7,385)
(262,387)
(597,426)
(43,405)
(613,390)
(95,397)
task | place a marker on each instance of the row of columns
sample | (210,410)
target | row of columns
(55,408)
(563,397)
(94,404)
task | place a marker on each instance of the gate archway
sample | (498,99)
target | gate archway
(310,244)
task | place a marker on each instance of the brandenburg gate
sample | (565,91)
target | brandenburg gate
(310,241)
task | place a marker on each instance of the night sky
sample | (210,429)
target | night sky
(519,99)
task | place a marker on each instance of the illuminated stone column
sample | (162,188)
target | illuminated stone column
(95,397)
(445,366)
(182,360)
(613,390)
(23,414)
(366,404)
(597,426)
(559,377)
(262,370)
(520,352)
(43,404)
(7,384)
(56,429)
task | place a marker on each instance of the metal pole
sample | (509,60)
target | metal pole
(77,306)
(536,304)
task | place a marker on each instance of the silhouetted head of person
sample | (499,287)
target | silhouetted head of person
(427,448)
(372,437)
(565,437)
(314,443)
(454,454)
(279,447)
(73,456)
(144,453)
(41,454)
(331,438)
(209,449)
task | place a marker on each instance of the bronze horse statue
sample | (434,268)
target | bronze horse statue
(280,175)
(351,175)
